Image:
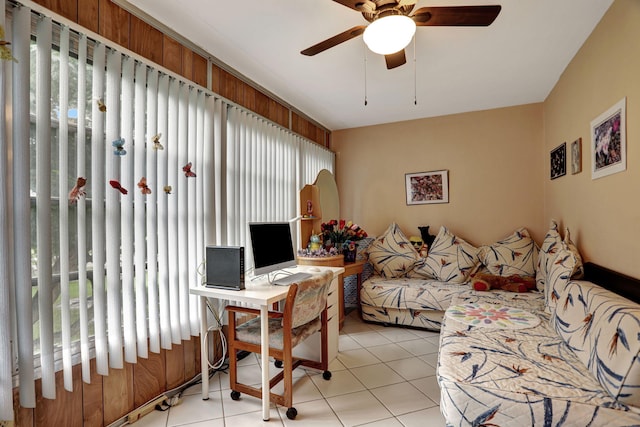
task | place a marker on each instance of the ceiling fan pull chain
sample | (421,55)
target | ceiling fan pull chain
(365,73)
(415,74)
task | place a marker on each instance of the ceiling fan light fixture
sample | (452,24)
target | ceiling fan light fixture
(389,34)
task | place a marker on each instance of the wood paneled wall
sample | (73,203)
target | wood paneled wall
(240,92)
(118,25)
(108,398)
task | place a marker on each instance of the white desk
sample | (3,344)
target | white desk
(257,292)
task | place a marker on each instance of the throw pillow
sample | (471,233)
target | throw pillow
(391,254)
(516,254)
(561,268)
(579,273)
(550,246)
(450,259)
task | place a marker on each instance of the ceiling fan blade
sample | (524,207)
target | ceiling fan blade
(456,16)
(353,4)
(395,59)
(334,41)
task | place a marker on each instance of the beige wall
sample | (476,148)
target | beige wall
(604,214)
(495,168)
(498,160)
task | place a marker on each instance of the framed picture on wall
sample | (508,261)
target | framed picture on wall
(558,166)
(576,156)
(427,187)
(609,141)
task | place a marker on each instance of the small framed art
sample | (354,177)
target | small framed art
(576,156)
(427,187)
(558,166)
(609,141)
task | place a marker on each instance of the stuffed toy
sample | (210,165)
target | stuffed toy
(418,245)
(426,237)
(513,283)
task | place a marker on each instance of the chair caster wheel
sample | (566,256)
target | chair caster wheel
(235,395)
(326,375)
(278,363)
(291,413)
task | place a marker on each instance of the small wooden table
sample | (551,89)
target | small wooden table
(350,268)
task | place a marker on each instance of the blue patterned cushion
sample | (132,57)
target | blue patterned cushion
(548,251)
(516,254)
(362,246)
(391,254)
(450,259)
(603,329)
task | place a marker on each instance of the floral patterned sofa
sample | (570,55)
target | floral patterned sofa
(571,359)
(565,355)
(409,290)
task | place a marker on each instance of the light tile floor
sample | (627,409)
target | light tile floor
(383,377)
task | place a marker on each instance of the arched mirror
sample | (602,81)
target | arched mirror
(318,203)
(328,193)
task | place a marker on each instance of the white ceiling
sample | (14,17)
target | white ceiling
(517,60)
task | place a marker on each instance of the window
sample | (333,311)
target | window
(107,274)
(71,140)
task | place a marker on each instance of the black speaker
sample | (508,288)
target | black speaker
(225,267)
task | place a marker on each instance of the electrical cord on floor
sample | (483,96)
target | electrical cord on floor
(223,341)
(216,327)
(171,398)
(163,402)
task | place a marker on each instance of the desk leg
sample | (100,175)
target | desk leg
(264,336)
(204,348)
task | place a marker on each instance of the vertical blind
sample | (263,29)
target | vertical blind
(20,201)
(104,270)
(313,159)
(262,170)
(253,150)
(82,224)
(6,395)
(101,248)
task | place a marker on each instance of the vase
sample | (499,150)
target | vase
(349,250)
(349,255)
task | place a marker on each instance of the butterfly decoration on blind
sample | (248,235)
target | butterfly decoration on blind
(144,188)
(119,145)
(78,190)
(101,106)
(167,189)
(5,51)
(187,171)
(115,184)
(156,142)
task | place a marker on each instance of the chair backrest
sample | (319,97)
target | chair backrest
(311,299)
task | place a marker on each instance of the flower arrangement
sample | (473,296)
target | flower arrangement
(338,233)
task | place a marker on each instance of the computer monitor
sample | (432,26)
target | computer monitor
(272,246)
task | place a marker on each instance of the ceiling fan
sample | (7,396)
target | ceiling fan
(378,12)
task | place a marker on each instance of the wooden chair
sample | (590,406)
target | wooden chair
(304,313)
